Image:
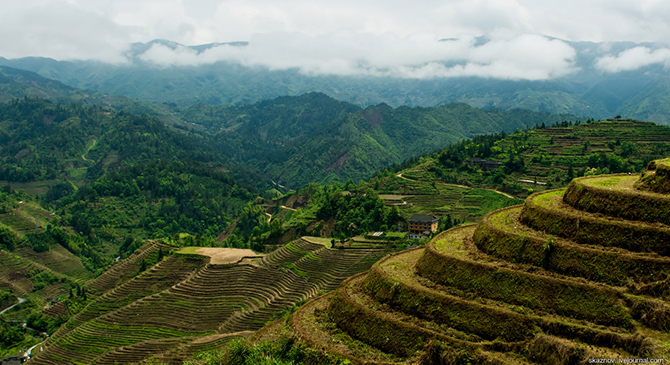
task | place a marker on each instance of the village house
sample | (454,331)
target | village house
(486,165)
(421,226)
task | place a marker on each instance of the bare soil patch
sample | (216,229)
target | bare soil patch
(219,255)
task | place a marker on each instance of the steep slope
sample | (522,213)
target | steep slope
(569,276)
(16,83)
(291,140)
(650,103)
(106,173)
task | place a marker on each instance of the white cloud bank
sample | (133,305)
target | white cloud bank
(347,37)
(633,59)
(525,57)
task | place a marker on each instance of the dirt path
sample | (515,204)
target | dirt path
(21,300)
(269,216)
(500,192)
(493,190)
(88,149)
(406,178)
(285,207)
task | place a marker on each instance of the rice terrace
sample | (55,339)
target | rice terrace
(574,274)
(571,275)
(191,302)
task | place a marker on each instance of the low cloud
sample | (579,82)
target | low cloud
(633,59)
(422,56)
(347,37)
(61,30)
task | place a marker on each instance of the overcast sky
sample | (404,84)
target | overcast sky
(372,37)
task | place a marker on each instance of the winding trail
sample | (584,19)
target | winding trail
(29,352)
(88,149)
(21,300)
(46,335)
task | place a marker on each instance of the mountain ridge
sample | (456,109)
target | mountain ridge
(587,92)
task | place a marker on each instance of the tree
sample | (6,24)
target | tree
(571,173)
(8,238)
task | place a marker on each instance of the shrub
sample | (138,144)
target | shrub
(283,351)
(8,239)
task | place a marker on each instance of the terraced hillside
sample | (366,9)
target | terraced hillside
(22,277)
(536,159)
(186,304)
(569,276)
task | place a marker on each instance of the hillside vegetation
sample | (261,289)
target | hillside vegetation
(446,185)
(81,186)
(96,201)
(314,138)
(290,140)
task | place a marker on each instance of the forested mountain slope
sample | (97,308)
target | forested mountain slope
(314,138)
(107,173)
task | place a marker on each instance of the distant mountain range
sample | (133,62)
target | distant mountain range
(642,94)
(295,140)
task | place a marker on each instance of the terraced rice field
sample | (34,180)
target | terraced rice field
(186,303)
(122,271)
(57,259)
(547,282)
(25,217)
(15,274)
